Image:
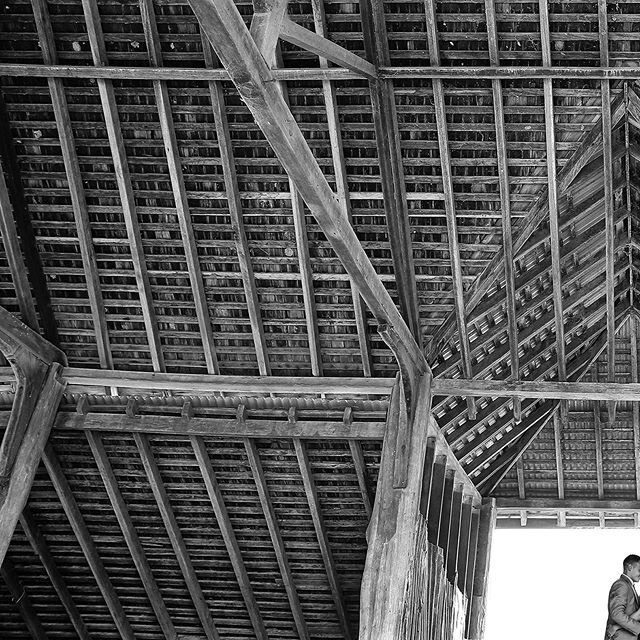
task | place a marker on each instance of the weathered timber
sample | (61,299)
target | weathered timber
(574,505)
(276,538)
(453,535)
(229,37)
(89,549)
(74,179)
(266,26)
(175,536)
(22,600)
(486,527)
(39,544)
(131,536)
(230,541)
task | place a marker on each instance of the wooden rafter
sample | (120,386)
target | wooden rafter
(175,536)
(74,179)
(385,121)
(11,243)
(276,538)
(607,163)
(22,600)
(633,331)
(123,178)
(22,221)
(321,534)
(89,549)
(40,546)
(228,535)
(130,534)
(342,188)
(358,462)
(505,201)
(449,203)
(235,212)
(174,163)
(228,35)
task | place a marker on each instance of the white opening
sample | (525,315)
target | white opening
(553,583)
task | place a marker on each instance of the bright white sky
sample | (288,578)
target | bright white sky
(553,584)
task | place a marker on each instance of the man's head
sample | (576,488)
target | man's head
(631,567)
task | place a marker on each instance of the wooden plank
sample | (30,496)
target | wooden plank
(597,427)
(13,254)
(505,201)
(130,534)
(22,601)
(471,565)
(123,178)
(229,537)
(266,26)
(486,526)
(219,427)
(557,439)
(22,221)
(227,32)
(454,535)
(361,473)
(18,476)
(427,477)
(321,534)
(235,212)
(610,230)
(276,538)
(385,121)
(74,179)
(445,514)
(504,72)
(175,536)
(449,202)
(39,545)
(293,33)
(89,549)
(436,498)
(181,200)
(201,383)
(571,505)
(464,543)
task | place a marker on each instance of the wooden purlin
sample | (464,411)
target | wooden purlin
(229,37)
(180,197)
(125,188)
(131,535)
(89,549)
(385,121)
(74,179)
(449,204)
(342,187)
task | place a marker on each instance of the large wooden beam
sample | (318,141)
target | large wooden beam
(37,367)
(233,44)
(504,72)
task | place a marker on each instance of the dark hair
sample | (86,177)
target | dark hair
(629,561)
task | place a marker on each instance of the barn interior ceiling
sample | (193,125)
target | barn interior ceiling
(228,377)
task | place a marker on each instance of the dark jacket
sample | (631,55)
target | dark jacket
(623,601)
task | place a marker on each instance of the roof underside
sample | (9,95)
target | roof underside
(219,268)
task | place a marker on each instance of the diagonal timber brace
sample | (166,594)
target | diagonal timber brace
(255,81)
(38,369)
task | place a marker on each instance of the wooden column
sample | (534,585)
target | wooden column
(37,366)
(477,609)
